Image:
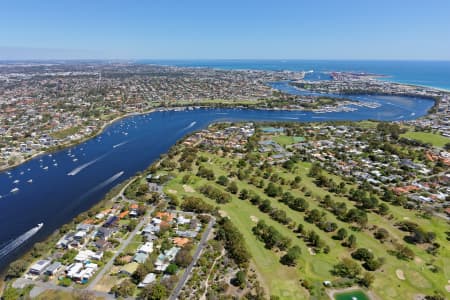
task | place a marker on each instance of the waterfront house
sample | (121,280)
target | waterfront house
(39,267)
(53,268)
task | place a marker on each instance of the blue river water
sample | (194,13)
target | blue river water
(53,189)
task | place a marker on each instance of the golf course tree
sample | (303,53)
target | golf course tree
(340,234)
(381,234)
(271,237)
(233,242)
(244,194)
(215,194)
(273,190)
(403,252)
(366,279)
(362,254)
(291,257)
(295,203)
(232,187)
(357,216)
(347,268)
(196,204)
(350,242)
(222,180)
(205,173)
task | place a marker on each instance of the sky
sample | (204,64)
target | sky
(231,29)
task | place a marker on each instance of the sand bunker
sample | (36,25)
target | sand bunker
(400,274)
(188,188)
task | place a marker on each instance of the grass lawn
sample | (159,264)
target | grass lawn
(66,132)
(285,140)
(280,280)
(285,281)
(436,140)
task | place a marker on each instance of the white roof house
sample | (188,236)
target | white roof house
(149,278)
(147,248)
(39,267)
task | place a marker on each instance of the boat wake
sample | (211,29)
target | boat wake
(104,183)
(289,118)
(14,244)
(84,166)
(121,144)
(190,125)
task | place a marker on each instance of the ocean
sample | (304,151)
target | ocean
(424,73)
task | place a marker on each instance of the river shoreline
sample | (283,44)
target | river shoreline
(174,108)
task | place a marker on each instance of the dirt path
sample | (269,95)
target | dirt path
(203,297)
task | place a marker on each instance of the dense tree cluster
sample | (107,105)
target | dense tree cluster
(215,194)
(233,242)
(295,203)
(271,237)
(196,204)
(291,257)
(205,173)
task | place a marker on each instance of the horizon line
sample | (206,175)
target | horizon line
(220,59)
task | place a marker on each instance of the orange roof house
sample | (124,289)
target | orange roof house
(124,214)
(180,241)
(405,189)
(166,216)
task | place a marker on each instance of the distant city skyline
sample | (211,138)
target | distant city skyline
(169,29)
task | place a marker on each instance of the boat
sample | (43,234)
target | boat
(21,173)
(16,181)
(30,181)
(55,164)
(354,298)
(15,190)
(45,168)
(39,226)
(75,159)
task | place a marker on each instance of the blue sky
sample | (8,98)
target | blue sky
(228,29)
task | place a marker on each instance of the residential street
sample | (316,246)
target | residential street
(123,245)
(198,252)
